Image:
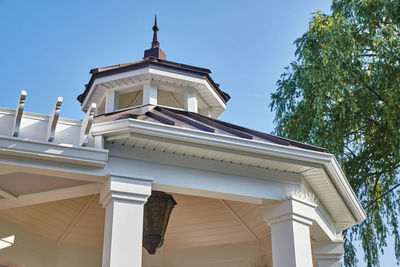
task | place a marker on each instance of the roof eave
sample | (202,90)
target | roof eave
(96,73)
(343,186)
(188,135)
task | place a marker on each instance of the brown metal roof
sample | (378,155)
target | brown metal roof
(149,61)
(190,120)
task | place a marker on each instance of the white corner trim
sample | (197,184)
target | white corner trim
(53,152)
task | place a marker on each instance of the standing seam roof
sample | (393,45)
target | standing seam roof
(190,120)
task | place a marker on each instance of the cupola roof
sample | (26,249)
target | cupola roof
(154,67)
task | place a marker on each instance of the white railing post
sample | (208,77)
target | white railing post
(86,125)
(53,119)
(18,114)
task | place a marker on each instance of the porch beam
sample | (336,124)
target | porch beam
(237,217)
(48,196)
(76,219)
(6,194)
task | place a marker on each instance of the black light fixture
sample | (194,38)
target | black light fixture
(157,211)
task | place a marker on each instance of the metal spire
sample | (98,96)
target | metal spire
(155,50)
(155,42)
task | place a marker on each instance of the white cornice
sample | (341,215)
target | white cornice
(53,152)
(126,127)
(201,85)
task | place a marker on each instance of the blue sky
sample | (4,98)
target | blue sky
(48,47)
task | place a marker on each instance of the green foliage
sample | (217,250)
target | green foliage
(343,92)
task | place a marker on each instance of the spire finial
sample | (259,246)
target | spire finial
(155,50)
(155,42)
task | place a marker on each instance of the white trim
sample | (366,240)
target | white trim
(48,196)
(199,83)
(39,117)
(344,187)
(53,152)
(18,114)
(53,119)
(10,164)
(254,147)
(86,125)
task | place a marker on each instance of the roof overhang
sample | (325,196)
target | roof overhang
(324,176)
(134,74)
(66,153)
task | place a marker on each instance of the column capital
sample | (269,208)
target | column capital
(125,189)
(331,252)
(291,208)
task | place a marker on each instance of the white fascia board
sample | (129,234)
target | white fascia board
(53,152)
(239,144)
(342,185)
(159,71)
(195,136)
(205,164)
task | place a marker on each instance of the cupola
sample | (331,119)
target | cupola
(154,81)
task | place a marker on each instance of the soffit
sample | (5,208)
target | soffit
(195,221)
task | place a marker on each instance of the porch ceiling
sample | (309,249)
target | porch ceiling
(195,221)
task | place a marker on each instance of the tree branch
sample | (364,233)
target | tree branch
(381,196)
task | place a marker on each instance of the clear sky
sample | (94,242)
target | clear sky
(48,47)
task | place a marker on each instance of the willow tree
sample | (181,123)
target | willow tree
(343,92)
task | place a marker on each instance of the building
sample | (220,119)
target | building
(73,193)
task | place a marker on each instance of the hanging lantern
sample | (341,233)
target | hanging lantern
(157,211)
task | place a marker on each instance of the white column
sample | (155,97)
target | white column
(191,101)
(111,101)
(328,254)
(290,234)
(149,93)
(123,198)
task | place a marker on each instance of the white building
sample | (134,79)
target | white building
(72,193)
